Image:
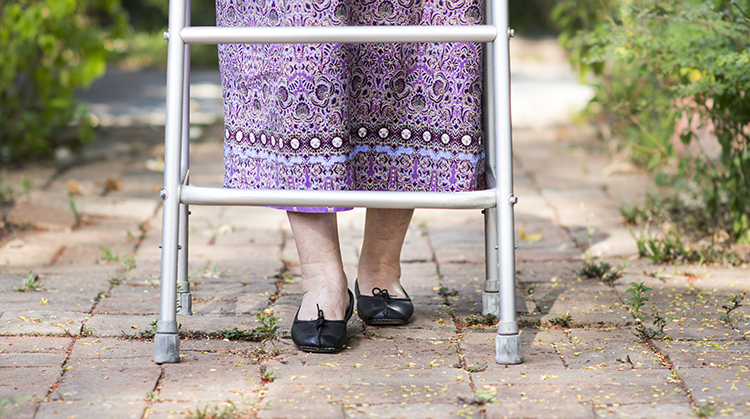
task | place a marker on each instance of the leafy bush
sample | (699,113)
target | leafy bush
(669,69)
(47,50)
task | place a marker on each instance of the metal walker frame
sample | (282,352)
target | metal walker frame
(498,296)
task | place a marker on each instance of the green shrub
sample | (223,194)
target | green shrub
(660,61)
(48,49)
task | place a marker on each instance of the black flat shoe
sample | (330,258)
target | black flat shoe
(321,335)
(380,309)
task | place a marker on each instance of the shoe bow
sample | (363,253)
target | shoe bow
(381,293)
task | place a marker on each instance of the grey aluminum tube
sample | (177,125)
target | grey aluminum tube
(507,324)
(337,34)
(195,195)
(172,156)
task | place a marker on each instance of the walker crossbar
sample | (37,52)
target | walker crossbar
(340,34)
(499,290)
(195,195)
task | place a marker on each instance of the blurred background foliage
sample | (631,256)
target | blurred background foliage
(671,85)
(48,49)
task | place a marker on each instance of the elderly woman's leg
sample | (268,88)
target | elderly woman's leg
(380,298)
(324,283)
(380,259)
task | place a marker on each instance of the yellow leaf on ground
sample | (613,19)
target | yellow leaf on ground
(530,237)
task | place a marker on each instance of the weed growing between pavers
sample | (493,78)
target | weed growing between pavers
(635,306)
(704,411)
(734,302)
(8,192)
(8,404)
(265,333)
(602,271)
(480,321)
(228,410)
(30,283)
(563,321)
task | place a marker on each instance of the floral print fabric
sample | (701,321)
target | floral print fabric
(396,117)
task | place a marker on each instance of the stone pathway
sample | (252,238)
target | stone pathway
(75,347)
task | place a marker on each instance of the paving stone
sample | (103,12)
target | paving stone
(412,411)
(38,215)
(479,348)
(80,409)
(48,300)
(323,383)
(24,409)
(31,383)
(457,245)
(16,344)
(544,272)
(109,348)
(644,411)
(117,326)
(428,322)
(706,354)
(692,314)
(107,381)
(416,246)
(211,383)
(292,408)
(717,384)
(136,209)
(130,300)
(617,349)
(543,409)
(592,308)
(30,251)
(32,359)
(42,322)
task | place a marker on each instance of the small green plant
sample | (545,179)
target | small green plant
(268,327)
(637,299)
(129,263)
(152,395)
(704,411)
(74,209)
(9,193)
(447,292)
(8,404)
(108,255)
(635,305)
(562,321)
(228,411)
(486,320)
(266,331)
(236,334)
(476,368)
(30,283)
(149,333)
(87,331)
(734,302)
(479,398)
(660,249)
(268,377)
(601,270)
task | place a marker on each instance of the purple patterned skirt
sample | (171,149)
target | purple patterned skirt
(393,117)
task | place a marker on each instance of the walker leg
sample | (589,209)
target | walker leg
(508,339)
(167,339)
(184,296)
(490,293)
